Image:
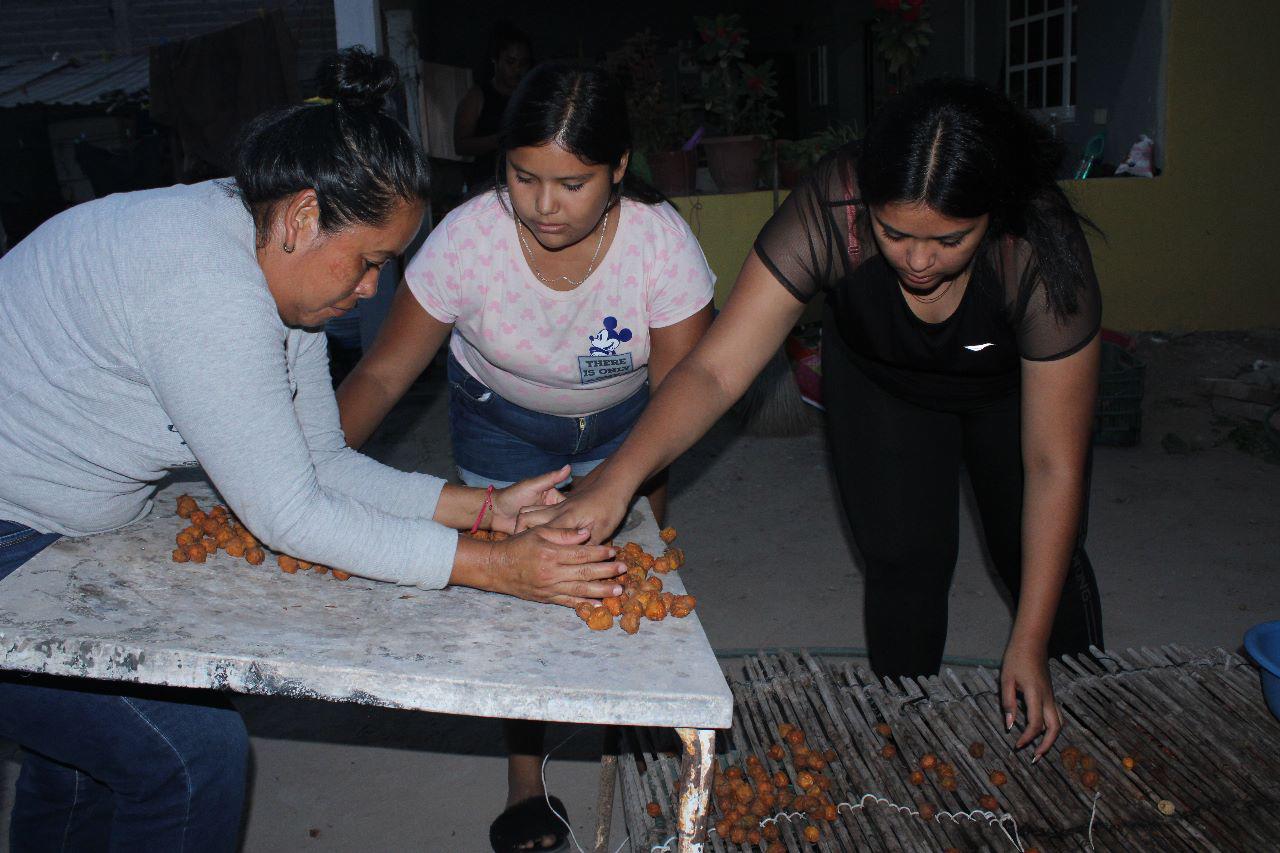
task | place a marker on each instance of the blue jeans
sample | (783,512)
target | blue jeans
(496,442)
(19,543)
(118,767)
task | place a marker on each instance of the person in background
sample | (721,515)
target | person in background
(960,329)
(178,327)
(566,293)
(479,115)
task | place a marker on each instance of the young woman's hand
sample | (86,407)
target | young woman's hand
(1025,671)
(539,491)
(592,507)
(555,566)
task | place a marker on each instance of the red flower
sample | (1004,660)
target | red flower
(912,14)
(755,84)
(705,35)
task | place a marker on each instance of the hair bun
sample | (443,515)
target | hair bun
(354,77)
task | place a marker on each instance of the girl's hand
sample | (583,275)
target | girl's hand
(1025,671)
(537,491)
(554,566)
(591,507)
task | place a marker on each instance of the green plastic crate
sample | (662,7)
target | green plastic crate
(1117,422)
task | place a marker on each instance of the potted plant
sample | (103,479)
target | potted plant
(740,100)
(795,157)
(902,32)
(658,126)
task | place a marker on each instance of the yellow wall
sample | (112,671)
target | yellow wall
(1197,247)
(726,226)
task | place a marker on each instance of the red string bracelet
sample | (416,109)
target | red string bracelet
(484,507)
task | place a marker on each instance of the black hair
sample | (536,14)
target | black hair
(966,150)
(504,35)
(583,109)
(360,161)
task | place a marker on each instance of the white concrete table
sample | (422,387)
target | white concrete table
(115,607)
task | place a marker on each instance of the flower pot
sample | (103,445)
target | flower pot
(734,162)
(789,175)
(673,171)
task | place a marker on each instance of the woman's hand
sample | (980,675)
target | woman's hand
(592,507)
(539,491)
(553,565)
(1026,671)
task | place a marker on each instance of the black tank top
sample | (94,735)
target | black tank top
(495,103)
(488,123)
(968,360)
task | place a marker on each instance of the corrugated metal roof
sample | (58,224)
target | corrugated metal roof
(43,81)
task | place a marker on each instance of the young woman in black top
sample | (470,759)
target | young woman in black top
(960,328)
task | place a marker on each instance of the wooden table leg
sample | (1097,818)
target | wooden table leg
(608,779)
(695,788)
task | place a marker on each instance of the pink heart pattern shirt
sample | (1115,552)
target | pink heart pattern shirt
(568,353)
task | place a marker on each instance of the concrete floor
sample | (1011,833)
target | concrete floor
(1186,546)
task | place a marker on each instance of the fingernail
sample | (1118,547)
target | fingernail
(1008,722)
(617,590)
(582,530)
(1035,759)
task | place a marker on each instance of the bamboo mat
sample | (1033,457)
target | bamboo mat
(1205,758)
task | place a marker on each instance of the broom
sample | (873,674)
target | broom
(772,406)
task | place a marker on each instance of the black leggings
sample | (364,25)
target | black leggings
(897,466)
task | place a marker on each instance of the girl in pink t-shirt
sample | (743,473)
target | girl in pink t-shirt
(569,291)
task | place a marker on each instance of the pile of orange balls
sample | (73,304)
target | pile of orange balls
(218,529)
(642,594)
(746,794)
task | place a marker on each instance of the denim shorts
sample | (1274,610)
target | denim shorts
(497,442)
(19,543)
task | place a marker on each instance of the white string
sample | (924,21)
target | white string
(991,818)
(547,796)
(1093,815)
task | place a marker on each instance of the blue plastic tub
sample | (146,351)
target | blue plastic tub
(1262,642)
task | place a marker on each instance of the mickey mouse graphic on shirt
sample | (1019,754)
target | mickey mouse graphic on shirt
(603,360)
(605,341)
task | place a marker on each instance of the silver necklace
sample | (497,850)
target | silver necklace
(591,267)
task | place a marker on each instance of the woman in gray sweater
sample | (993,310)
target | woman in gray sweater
(178,327)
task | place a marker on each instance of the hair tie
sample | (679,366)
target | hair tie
(319,102)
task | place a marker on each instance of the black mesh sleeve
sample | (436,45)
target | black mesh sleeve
(805,244)
(1043,333)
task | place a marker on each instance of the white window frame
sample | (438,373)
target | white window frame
(1065,112)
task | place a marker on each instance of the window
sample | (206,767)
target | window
(818,76)
(1041,56)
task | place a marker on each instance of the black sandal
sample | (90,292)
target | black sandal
(527,821)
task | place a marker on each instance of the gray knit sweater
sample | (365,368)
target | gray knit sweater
(137,334)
